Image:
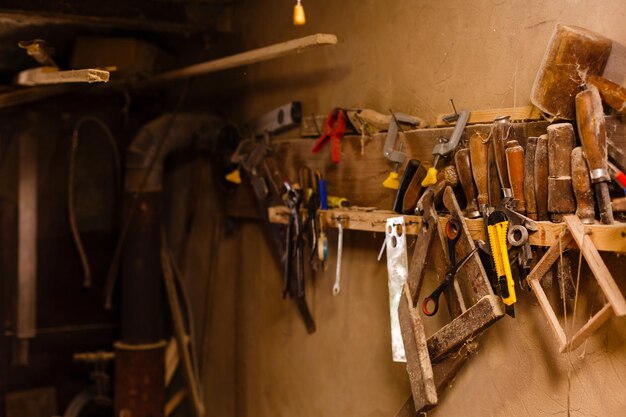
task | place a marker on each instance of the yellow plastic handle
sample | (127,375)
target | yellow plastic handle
(430,178)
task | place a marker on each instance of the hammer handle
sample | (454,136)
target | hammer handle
(479,148)
(529,178)
(515,168)
(464,171)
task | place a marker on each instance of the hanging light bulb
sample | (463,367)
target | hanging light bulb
(299,18)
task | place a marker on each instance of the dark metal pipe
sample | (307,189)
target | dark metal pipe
(142,283)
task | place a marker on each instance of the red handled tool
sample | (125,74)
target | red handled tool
(334,129)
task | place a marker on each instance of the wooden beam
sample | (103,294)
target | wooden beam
(589,328)
(597,266)
(518,114)
(465,327)
(553,321)
(266,53)
(50,75)
(609,237)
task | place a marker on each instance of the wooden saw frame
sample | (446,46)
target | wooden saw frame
(575,236)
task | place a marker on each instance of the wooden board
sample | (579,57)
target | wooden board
(517,114)
(610,237)
(465,327)
(266,53)
(46,75)
(418,365)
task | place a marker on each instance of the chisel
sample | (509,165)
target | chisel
(541,177)
(582,187)
(464,170)
(502,132)
(515,168)
(561,199)
(592,133)
(478,149)
(529,178)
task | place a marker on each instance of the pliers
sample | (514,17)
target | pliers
(334,129)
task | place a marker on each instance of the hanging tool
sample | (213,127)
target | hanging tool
(561,142)
(447,177)
(398,157)
(294,248)
(582,187)
(334,129)
(541,177)
(479,150)
(592,133)
(447,145)
(529,178)
(453,234)
(408,192)
(515,167)
(464,171)
(397,270)
(498,225)
(337,284)
(502,132)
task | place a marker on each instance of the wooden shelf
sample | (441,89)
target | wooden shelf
(604,237)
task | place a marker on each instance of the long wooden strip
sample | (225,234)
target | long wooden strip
(465,327)
(555,326)
(418,365)
(517,114)
(589,328)
(604,237)
(597,266)
(266,53)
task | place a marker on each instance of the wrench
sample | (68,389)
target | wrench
(337,286)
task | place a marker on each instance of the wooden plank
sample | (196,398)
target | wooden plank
(464,328)
(472,274)
(48,75)
(555,326)
(552,254)
(589,328)
(174,402)
(518,114)
(597,266)
(609,237)
(266,53)
(418,365)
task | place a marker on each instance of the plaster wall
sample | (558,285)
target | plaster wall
(412,56)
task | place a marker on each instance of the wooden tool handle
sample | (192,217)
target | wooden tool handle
(502,133)
(464,171)
(582,187)
(479,148)
(560,193)
(515,168)
(541,177)
(592,132)
(613,94)
(529,178)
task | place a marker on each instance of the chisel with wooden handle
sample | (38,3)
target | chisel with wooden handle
(611,93)
(479,148)
(502,132)
(592,133)
(582,187)
(561,199)
(541,177)
(529,178)
(515,168)
(464,171)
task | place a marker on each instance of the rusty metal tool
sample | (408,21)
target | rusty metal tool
(502,132)
(463,165)
(446,146)
(592,133)
(397,270)
(529,178)
(541,177)
(582,187)
(515,169)
(430,305)
(561,141)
